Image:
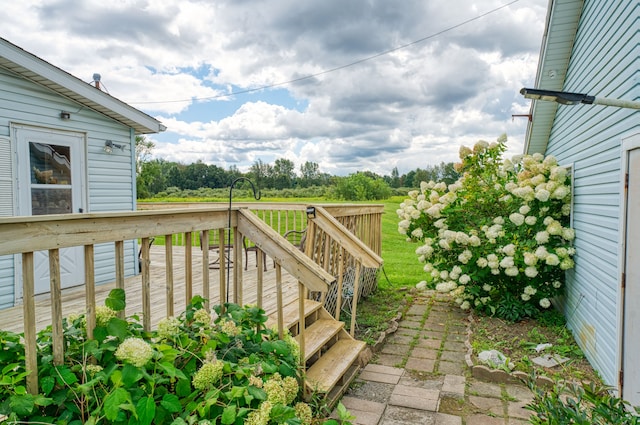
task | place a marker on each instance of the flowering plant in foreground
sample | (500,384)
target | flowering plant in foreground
(199,368)
(497,239)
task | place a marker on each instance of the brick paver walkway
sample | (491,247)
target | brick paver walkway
(420,376)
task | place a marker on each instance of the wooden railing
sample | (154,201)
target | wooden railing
(262,225)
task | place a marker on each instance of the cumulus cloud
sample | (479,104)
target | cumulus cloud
(457,81)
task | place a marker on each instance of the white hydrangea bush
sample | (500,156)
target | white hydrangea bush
(498,239)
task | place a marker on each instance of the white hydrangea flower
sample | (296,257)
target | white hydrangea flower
(547,220)
(542,195)
(517,219)
(424,186)
(530,220)
(507,262)
(462,238)
(552,260)
(440,224)
(561,192)
(424,205)
(464,279)
(495,271)
(511,271)
(555,228)
(135,351)
(531,272)
(465,305)
(509,250)
(542,237)
(444,275)
(492,257)
(530,290)
(417,233)
(487,287)
(444,244)
(530,259)
(475,241)
(465,256)
(562,252)
(482,262)
(525,297)
(541,253)
(545,303)
(498,220)
(524,210)
(434,210)
(556,284)
(428,267)
(566,264)
(566,209)
(568,234)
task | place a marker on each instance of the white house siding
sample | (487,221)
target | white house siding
(110,178)
(604,62)
(6,209)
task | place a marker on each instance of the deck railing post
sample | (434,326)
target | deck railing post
(90,290)
(146,286)
(204,244)
(168,258)
(354,300)
(188,268)
(222,255)
(119,253)
(30,347)
(57,336)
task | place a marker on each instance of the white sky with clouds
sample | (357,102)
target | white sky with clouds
(410,108)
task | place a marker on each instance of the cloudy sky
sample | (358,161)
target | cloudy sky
(349,84)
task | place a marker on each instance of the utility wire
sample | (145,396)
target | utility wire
(338,68)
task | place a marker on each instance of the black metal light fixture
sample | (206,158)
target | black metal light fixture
(65,116)
(311,212)
(109,146)
(566,98)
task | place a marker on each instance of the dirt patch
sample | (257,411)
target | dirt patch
(518,341)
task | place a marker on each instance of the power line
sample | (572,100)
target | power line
(338,68)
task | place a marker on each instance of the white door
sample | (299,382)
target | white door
(631,324)
(51,181)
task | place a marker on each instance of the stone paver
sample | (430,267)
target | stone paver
(454,384)
(421,365)
(415,398)
(366,412)
(431,339)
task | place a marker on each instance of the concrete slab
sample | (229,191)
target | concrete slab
(366,412)
(487,404)
(424,353)
(480,388)
(421,365)
(396,415)
(452,368)
(484,420)
(454,384)
(415,398)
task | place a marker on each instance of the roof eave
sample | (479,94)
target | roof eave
(561,15)
(61,82)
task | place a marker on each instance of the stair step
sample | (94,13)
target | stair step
(331,367)
(290,313)
(338,391)
(318,334)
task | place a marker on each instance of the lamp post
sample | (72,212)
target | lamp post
(566,98)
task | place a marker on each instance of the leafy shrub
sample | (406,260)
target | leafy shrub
(497,239)
(571,403)
(361,187)
(193,369)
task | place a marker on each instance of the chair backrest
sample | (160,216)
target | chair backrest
(297,238)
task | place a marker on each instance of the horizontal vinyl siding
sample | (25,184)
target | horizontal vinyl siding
(110,179)
(603,61)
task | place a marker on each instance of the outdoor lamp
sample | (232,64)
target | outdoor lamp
(311,212)
(109,146)
(566,98)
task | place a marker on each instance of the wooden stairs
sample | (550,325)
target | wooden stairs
(331,354)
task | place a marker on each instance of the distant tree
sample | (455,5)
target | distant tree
(283,173)
(261,174)
(395,178)
(310,172)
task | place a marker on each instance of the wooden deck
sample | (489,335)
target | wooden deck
(73,299)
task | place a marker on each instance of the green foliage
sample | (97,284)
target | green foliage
(497,239)
(571,403)
(361,187)
(194,368)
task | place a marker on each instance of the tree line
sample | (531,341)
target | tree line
(160,177)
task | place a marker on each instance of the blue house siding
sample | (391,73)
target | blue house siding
(110,178)
(604,62)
